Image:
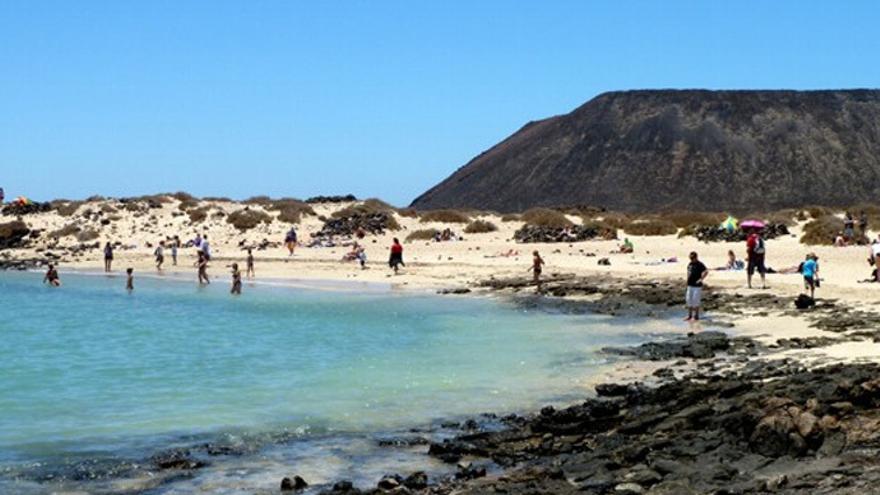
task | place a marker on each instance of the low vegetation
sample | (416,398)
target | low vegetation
(246,219)
(480,227)
(651,227)
(444,216)
(422,235)
(545,217)
(197,215)
(408,212)
(682,219)
(510,217)
(69,229)
(66,208)
(822,230)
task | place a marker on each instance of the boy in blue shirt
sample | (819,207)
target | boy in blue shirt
(810,271)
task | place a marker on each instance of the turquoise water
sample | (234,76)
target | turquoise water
(90,371)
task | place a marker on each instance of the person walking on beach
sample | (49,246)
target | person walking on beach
(290,241)
(236,280)
(206,248)
(536,269)
(129,280)
(756,253)
(396,258)
(175,245)
(810,271)
(202,265)
(52,276)
(250,263)
(696,274)
(863,225)
(160,255)
(108,256)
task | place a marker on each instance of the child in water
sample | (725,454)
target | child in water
(52,276)
(236,280)
(129,281)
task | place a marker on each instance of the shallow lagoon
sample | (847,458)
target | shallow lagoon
(301,376)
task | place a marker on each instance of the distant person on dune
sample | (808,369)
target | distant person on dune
(129,279)
(756,255)
(236,280)
(396,259)
(536,269)
(696,274)
(108,256)
(52,277)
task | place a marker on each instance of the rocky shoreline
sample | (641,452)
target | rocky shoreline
(717,420)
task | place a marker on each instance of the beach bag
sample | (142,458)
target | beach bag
(804,301)
(759,246)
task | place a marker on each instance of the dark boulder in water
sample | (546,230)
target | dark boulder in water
(294,484)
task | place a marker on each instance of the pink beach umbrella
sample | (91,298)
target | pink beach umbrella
(751,224)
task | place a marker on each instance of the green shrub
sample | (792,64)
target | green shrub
(651,227)
(246,219)
(444,216)
(187,204)
(819,211)
(422,235)
(480,227)
(822,230)
(545,217)
(183,196)
(614,219)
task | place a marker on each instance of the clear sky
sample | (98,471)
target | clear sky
(376,98)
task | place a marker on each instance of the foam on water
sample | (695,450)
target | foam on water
(305,377)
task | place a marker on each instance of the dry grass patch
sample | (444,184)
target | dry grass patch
(545,217)
(480,227)
(247,218)
(682,219)
(197,215)
(651,227)
(510,217)
(822,231)
(444,216)
(422,235)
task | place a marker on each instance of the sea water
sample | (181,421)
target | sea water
(91,374)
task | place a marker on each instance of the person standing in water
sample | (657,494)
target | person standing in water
(160,255)
(396,259)
(52,276)
(108,256)
(236,280)
(202,263)
(696,274)
(175,244)
(129,280)
(536,269)
(250,263)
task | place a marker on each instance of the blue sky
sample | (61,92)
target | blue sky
(297,98)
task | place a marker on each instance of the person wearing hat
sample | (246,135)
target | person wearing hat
(810,271)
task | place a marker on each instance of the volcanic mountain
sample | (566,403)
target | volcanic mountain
(649,150)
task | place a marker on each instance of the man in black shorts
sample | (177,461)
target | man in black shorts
(756,251)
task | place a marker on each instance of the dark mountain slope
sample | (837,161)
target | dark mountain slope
(682,149)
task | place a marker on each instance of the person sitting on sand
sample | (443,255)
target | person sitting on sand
(396,258)
(733,264)
(236,280)
(810,271)
(52,276)
(627,247)
(129,279)
(840,240)
(202,264)
(160,255)
(290,241)
(536,269)
(250,263)
(108,256)
(361,256)
(696,274)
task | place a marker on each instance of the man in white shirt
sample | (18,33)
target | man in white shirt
(206,248)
